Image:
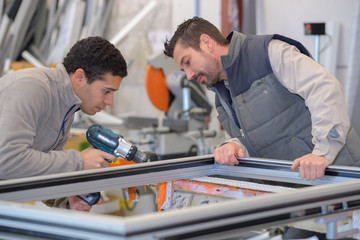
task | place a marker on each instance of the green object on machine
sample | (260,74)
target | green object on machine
(84,145)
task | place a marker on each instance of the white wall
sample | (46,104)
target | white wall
(287,17)
(185,9)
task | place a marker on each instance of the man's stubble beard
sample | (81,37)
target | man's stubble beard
(212,77)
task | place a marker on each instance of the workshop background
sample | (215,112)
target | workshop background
(339,49)
(40,32)
(139,28)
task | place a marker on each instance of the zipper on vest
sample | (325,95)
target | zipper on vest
(242,133)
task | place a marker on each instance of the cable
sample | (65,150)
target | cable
(330,41)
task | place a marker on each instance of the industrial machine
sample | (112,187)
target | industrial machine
(170,91)
(183,129)
(327,200)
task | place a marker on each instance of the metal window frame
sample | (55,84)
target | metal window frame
(336,193)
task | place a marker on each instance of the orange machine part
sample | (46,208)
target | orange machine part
(131,190)
(155,84)
(162,194)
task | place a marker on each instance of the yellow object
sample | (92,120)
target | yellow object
(76,141)
(24,64)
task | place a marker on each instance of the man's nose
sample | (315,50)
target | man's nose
(189,74)
(109,99)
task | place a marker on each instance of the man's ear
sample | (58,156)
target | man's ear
(80,77)
(206,41)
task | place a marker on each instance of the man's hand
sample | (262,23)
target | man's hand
(228,153)
(77,204)
(94,158)
(311,166)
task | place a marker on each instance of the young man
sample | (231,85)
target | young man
(38,105)
(272,98)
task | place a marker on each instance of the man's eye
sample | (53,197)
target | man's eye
(187,62)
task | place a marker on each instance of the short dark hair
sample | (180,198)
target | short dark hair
(189,33)
(97,57)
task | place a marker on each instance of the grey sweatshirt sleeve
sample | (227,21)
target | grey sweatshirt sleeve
(19,118)
(322,92)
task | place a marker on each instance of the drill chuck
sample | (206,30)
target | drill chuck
(141,156)
(125,149)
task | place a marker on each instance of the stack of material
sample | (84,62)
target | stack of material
(43,31)
(181,193)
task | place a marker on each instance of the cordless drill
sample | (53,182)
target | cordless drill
(115,144)
(106,140)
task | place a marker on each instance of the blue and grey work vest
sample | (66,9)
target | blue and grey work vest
(258,110)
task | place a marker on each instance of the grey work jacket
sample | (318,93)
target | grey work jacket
(257,109)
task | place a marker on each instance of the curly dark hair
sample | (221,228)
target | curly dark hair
(97,57)
(189,33)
